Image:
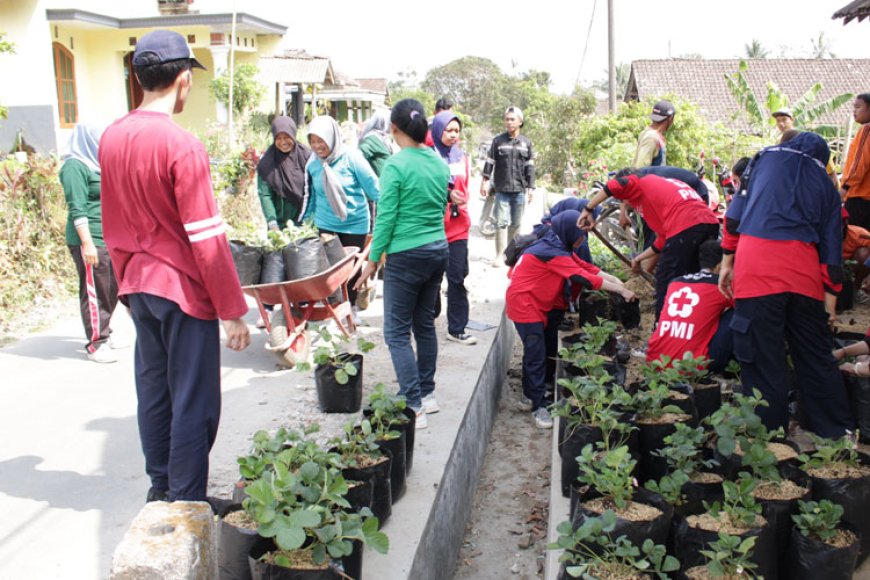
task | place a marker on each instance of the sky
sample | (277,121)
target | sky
(381,38)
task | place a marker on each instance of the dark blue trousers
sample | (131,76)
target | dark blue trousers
(720,351)
(540,347)
(762,327)
(178,386)
(680,257)
(457,294)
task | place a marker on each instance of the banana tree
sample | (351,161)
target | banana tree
(806,111)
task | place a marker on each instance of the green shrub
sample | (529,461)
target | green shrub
(34,261)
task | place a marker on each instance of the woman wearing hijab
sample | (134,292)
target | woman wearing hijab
(374,140)
(410,232)
(783,267)
(341,182)
(446,127)
(98,289)
(281,175)
(547,275)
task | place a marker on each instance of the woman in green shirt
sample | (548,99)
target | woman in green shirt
(281,175)
(374,140)
(410,231)
(98,289)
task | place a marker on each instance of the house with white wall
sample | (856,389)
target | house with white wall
(72,61)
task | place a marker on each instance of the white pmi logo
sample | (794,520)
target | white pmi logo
(682,302)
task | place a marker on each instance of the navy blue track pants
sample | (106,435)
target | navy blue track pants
(178,387)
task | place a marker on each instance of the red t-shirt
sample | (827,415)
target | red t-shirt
(689,318)
(537,286)
(457,228)
(160,220)
(669,206)
(765,267)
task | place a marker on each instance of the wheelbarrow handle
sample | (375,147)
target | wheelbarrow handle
(644,274)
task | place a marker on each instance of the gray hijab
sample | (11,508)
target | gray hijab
(84,145)
(379,125)
(327,129)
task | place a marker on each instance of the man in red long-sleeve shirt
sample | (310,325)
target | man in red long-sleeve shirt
(174,270)
(674,211)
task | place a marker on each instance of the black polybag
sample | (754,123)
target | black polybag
(808,557)
(272,271)
(248,261)
(234,544)
(305,258)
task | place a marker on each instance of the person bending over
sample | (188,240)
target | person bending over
(546,276)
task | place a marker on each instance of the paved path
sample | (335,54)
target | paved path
(71,469)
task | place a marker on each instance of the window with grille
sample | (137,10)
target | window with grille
(65,76)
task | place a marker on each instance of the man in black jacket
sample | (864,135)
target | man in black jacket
(511,166)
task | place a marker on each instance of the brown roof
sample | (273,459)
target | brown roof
(375,85)
(703,82)
(859,9)
(294,67)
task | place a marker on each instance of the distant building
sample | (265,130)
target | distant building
(859,9)
(302,79)
(74,64)
(703,82)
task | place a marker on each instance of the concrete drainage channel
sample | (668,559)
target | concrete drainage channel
(427,552)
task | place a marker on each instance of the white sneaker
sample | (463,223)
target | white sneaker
(462,338)
(430,405)
(542,418)
(420,422)
(525,404)
(103,354)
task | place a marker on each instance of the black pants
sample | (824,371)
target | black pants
(178,385)
(720,351)
(540,346)
(762,327)
(680,257)
(859,211)
(98,295)
(358,241)
(457,295)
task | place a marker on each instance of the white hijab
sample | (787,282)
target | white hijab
(327,129)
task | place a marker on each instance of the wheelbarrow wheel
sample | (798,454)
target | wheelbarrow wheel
(299,347)
(298,351)
(279,328)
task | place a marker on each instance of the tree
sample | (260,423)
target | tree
(5,46)
(474,83)
(821,47)
(623,71)
(608,142)
(755,49)
(806,111)
(247,92)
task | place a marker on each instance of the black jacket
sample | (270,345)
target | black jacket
(513,162)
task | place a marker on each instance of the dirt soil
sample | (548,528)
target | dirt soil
(506,533)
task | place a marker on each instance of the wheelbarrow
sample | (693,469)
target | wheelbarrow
(307,299)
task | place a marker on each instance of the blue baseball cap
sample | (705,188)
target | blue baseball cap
(162,46)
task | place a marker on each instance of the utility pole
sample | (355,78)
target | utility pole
(611,60)
(231,133)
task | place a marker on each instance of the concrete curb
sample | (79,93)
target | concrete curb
(442,537)
(559,506)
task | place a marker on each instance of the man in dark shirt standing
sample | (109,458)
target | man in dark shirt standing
(511,166)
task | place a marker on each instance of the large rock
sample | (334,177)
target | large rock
(168,541)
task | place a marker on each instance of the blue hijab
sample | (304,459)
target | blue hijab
(439,124)
(559,240)
(790,197)
(571,203)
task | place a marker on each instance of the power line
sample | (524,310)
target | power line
(586,46)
